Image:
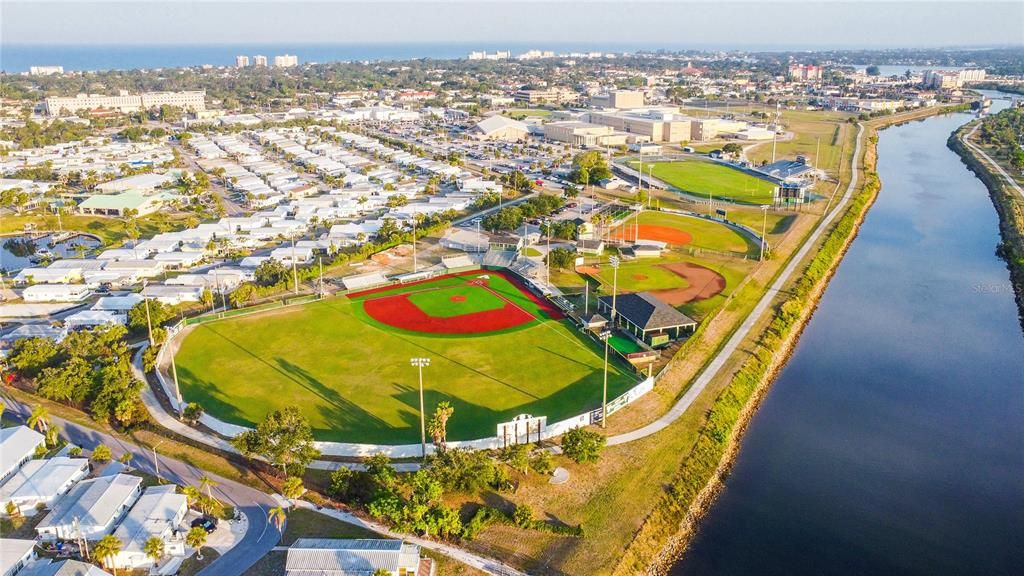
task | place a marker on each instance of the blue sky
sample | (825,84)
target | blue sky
(698,24)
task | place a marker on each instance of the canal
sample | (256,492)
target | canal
(893,440)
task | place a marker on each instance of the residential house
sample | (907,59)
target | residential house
(91,509)
(17,446)
(329,557)
(42,482)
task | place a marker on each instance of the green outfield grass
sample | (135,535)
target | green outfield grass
(442,303)
(353,381)
(526,112)
(705,233)
(701,178)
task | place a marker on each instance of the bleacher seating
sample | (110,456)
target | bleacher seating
(364,281)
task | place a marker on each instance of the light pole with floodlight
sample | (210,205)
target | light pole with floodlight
(419,363)
(605,336)
(614,263)
(764,229)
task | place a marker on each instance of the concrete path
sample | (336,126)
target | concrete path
(992,163)
(252,503)
(712,369)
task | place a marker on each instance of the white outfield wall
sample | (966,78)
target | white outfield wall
(352,449)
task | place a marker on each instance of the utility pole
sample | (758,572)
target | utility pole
(604,336)
(614,262)
(321,259)
(419,363)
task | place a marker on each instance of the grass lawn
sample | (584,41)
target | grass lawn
(706,234)
(352,378)
(701,178)
(110,230)
(809,129)
(530,251)
(192,565)
(778,223)
(641,276)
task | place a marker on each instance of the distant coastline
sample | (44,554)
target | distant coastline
(16,58)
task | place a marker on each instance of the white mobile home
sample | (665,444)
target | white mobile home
(97,504)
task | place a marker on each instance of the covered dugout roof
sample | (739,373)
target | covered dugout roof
(646,311)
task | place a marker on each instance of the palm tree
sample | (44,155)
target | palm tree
(195,538)
(39,418)
(207,483)
(52,436)
(106,549)
(154,548)
(277,517)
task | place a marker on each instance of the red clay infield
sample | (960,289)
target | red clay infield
(458,298)
(703,284)
(671,236)
(398,311)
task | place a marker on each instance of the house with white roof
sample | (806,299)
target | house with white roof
(119,305)
(42,482)
(93,318)
(17,446)
(288,254)
(56,293)
(15,555)
(96,504)
(330,557)
(158,513)
(139,268)
(178,260)
(48,276)
(55,333)
(173,295)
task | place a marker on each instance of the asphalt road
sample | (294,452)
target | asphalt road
(260,537)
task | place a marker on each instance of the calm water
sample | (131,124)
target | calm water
(893,441)
(18,251)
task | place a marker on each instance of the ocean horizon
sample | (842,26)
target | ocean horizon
(17,58)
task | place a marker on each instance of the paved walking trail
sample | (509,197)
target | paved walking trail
(745,328)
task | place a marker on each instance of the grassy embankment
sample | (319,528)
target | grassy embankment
(700,477)
(1009,206)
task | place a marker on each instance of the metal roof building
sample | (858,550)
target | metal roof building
(95,505)
(329,557)
(63,568)
(17,445)
(42,482)
(158,512)
(647,317)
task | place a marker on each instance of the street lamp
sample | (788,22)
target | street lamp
(614,263)
(604,336)
(419,363)
(764,229)
(156,460)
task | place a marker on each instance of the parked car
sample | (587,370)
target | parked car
(206,523)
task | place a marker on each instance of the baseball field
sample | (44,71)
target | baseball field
(496,351)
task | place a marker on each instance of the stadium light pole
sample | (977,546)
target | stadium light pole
(415,263)
(764,229)
(149,322)
(419,363)
(605,336)
(547,269)
(614,263)
(295,268)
